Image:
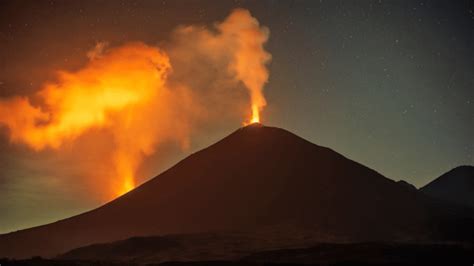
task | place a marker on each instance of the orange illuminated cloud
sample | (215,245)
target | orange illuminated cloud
(135,93)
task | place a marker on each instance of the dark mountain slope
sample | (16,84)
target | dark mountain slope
(456,186)
(256,179)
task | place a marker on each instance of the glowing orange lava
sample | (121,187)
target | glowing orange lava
(255,116)
(128,183)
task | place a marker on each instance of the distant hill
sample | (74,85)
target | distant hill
(456,186)
(257,179)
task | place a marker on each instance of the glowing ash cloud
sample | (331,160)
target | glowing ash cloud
(144,96)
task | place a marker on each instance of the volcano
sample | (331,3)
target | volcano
(257,179)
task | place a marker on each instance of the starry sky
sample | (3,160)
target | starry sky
(389,84)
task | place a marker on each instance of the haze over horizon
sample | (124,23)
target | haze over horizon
(387,84)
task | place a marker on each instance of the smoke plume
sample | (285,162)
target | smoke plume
(144,95)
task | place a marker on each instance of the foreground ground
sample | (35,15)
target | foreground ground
(320,254)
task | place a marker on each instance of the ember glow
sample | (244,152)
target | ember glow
(255,114)
(136,94)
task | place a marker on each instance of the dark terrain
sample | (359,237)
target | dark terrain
(262,194)
(263,249)
(370,253)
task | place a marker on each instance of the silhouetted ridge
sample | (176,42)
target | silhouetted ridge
(457,186)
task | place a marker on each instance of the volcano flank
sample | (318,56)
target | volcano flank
(257,179)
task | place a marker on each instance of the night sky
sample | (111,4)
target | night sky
(388,84)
